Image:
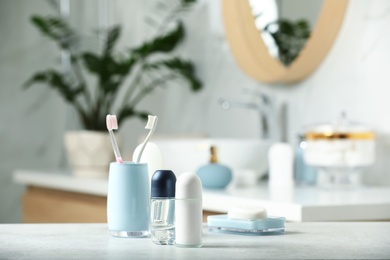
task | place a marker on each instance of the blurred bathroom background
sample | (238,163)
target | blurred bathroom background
(354,77)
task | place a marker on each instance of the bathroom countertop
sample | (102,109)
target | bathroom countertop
(366,240)
(296,204)
(306,203)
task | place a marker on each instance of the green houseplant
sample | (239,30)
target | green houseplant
(120,80)
(147,67)
(290,38)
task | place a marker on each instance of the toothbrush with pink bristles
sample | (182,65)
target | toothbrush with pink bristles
(112,124)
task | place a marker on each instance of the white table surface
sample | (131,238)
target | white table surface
(366,240)
(297,204)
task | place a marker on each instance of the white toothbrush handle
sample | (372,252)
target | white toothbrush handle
(115,147)
(145,142)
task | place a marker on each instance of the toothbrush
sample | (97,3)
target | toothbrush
(152,123)
(112,124)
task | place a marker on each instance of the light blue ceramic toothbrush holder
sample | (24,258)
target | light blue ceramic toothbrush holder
(128,199)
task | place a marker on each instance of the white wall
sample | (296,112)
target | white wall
(32,121)
(354,77)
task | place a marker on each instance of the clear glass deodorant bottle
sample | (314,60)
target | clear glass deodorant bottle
(162,207)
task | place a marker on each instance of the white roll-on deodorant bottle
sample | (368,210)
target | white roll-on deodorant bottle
(188,210)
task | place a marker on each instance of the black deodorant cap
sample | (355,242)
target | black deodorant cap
(163,184)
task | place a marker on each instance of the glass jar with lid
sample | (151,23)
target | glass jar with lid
(340,150)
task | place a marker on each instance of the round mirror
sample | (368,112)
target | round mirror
(276,41)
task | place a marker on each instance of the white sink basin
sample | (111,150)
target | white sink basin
(244,156)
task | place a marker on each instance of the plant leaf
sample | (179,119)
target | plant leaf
(107,69)
(56,81)
(36,78)
(186,2)
(56,29)
(184,68)
(112,37)
(110,86)
(290,38)
(165,43)
(92,62)
(124,67)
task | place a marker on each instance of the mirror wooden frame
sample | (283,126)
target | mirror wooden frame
(252,54)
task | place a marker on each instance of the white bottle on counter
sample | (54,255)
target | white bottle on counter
(281,165)
(188,210)
(152,155)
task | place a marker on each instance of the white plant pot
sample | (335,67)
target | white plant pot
(89,153)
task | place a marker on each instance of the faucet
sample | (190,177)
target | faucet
(266,108)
